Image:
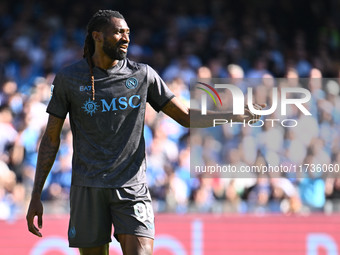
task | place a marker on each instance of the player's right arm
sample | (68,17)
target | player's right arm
(48,149)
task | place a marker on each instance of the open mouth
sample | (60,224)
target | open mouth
(123,47)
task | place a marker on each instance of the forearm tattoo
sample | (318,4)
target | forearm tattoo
(47,152)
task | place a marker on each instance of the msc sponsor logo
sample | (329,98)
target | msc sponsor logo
(90,107)
(120,103)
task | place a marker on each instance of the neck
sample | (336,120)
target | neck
(103,61)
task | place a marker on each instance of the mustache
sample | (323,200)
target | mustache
(123,43)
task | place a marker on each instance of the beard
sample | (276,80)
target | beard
(113,51)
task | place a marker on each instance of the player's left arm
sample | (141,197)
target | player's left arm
(192,117)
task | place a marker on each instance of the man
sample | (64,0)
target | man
(105,95)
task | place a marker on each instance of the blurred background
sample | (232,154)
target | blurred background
(181,40)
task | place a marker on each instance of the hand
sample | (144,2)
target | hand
(35,209)
(249,116)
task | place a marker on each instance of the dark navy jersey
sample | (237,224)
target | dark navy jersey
(109,149)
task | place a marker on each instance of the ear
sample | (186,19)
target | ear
(97,36)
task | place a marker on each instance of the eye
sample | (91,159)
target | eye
(120,32)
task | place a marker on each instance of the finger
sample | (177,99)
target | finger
(40,221)
(257,106)
(31,227)
(34,230)
(29,219)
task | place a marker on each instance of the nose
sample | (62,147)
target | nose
(126,37)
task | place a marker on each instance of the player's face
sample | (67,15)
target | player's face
(116,39)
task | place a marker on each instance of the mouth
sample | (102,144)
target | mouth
(123,47)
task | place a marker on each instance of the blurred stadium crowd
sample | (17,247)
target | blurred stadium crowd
(181,40)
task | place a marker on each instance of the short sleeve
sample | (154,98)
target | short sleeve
(158,92)
(59,103)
